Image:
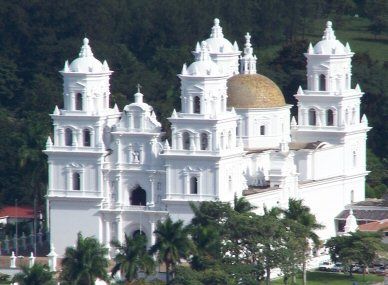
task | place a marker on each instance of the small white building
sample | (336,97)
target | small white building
(111,173)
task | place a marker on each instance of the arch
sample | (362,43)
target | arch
(86,137)
(78,102)
(76,181)
(193,185)
(322,82)
(197,105)
(138,196)
(329,117)
(312,117)
(186,140)
(262,130)
(204,141)
(68,137)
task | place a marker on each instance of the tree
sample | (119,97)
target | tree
(38,274)
(358,247)
(85,262)
(132,257)
(241,205)
(172,244)
(303,229)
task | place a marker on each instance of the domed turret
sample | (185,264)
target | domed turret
(329,43)
(204,66)
(86,62)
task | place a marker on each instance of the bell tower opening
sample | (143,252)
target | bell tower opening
(138,196)
(322,82)
(78,102)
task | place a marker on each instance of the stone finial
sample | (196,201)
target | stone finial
(86,50)
(351,223)
(31,260)
(184,69)
(364,119)
(233,110)
(49,142)
(197,47)
(300,90)
(328,34)
(357,88)
(52,259)
(166,145)
(310,49)
(293,122)
(204,52)
(66,67)
(116,108)
(347,46)
(105,66)
(235,46)
(216,30)
(174,114)
(56,110)
(13,260)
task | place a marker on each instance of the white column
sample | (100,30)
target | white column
(61,137)
(152,239)
(152,183)
(179,141)
(119,190)
(119,221)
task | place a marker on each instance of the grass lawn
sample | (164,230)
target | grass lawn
(315,278)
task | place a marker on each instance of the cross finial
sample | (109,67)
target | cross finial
(138,86)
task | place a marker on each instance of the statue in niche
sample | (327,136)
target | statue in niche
(136,156)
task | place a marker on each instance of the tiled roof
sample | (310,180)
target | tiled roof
(374,226)
(17,212)
(370,214)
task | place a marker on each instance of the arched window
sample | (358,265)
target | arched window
(197,105)
(322,82)
(312,117)
(86,136)
(204,141)
(262,130)
(329,117)
(138,196)
(186,140)
(138,233)
(76,181)
(194,185)
(78,102)
(68,137)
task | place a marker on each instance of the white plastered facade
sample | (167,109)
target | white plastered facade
(111,172)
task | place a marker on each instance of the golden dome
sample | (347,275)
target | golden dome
(253,91)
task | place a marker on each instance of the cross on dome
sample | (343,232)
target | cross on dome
(86,50)
(216,29)
(248,50)
(138,86)
(328,34)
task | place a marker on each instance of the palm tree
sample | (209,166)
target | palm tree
(85,262)
(38,274)
(305,225)
(172,244)
(132,256)
(241,205)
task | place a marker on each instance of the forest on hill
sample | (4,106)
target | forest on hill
(147,41)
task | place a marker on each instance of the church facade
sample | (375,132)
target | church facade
(111,172)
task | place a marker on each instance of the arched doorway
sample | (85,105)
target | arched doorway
(138,196)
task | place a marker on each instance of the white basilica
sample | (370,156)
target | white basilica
(111,172)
